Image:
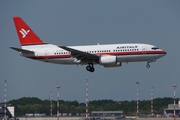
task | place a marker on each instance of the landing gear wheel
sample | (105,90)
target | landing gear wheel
(90,67)
(148,66)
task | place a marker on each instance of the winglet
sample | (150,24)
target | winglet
(25,33)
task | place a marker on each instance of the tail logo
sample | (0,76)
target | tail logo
(24,32)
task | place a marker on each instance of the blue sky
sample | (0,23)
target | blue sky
(80,22)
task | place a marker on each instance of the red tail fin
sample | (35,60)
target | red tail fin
(25,33)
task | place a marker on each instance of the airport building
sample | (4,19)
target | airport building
(170,110)
(106,113)
(9,111)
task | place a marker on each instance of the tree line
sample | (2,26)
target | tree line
(35,105)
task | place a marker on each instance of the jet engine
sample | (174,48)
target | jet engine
(109,61)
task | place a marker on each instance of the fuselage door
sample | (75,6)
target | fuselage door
(144,49)
(46,53)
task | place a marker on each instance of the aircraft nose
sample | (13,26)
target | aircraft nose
(164,52)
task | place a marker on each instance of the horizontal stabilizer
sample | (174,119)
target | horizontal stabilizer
(21,50)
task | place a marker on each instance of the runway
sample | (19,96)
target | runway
(71,118)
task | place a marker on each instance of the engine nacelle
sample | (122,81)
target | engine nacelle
(109,61)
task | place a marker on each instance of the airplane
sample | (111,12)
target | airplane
(107,55)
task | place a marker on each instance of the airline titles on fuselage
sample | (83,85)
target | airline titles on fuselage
(127,47)
(121,48)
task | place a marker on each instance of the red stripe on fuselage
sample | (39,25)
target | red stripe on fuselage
(100,54)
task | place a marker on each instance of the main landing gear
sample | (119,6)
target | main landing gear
(90,67)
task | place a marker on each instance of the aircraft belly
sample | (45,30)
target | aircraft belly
(136,58)
(60,61)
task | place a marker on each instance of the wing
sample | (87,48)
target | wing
(83,56)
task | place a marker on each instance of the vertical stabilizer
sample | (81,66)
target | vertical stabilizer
(25,33)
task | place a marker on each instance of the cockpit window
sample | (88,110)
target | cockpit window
(154,48)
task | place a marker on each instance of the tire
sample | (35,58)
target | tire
(92,69)
(88,68)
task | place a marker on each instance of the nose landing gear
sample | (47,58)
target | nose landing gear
(148,65)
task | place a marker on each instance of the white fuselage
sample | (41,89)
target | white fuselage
(109,55)
(124,52)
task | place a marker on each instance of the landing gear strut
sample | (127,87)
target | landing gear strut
(148,65)
(90,67)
